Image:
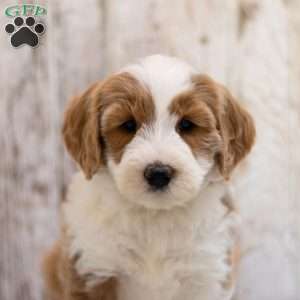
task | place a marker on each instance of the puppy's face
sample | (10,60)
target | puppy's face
(160,129)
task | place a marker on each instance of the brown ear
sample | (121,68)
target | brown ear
(238,132)
(81,131)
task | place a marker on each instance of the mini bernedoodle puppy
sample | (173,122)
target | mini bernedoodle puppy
(149,218)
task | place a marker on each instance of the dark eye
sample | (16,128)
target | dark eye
(129,126)
(185,125)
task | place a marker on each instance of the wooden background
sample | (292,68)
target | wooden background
(252,46)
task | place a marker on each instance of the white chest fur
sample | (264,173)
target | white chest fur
(170,255)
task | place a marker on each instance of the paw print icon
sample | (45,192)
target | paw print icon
(24,31)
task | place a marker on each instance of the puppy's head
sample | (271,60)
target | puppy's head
(160,129)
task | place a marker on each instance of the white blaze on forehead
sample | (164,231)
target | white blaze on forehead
(164,76)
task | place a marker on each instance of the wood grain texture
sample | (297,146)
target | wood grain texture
(264,81)
(33,169)
(250,45)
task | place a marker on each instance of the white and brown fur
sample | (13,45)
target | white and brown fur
(122,240)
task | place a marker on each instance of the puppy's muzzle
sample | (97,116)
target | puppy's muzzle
(158,175)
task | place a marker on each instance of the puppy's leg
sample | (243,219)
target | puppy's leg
(63,283)
(50,267)
(105,291)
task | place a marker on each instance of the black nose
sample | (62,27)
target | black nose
(158,175)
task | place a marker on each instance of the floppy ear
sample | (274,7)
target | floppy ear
(81,131)
(237,130)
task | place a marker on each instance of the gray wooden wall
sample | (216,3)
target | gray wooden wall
(250,45)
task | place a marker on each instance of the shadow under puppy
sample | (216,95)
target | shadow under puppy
(145,219)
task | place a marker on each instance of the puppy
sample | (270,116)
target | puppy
(148,218)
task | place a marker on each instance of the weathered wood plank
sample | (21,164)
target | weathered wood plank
(293,8)
(262,81)
(201,32)
(28,189)
(35,84)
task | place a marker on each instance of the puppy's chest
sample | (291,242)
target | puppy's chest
(135,250)
(160,259)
